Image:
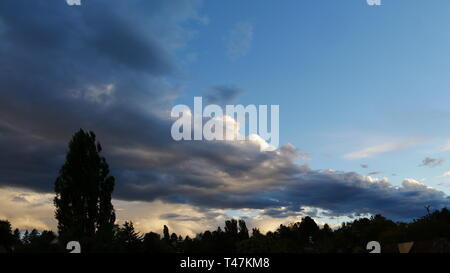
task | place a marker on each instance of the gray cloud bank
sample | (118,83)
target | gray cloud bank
(432,162)
(222,94)
(104,66)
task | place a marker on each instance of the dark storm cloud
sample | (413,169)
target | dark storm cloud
(27,161)
(179,217)
(432,162)
(222,94)
(92,29)
(112,36)
(103,66)
(277,185)
(349,193)
(283,212)
(66,67)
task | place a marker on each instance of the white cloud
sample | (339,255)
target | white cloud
(445,147)
(73,2)
(99,94)
(412,184)
(372,151)
(264,146)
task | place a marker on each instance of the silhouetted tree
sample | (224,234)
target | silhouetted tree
(39,242)
(127,239)
(30,237)
(173,239)
(16,237)
(6,236)
(25,236)
(243,231)
(308,230)
(166,234)
(83,193)
(256,232)
(152,243)
(231,227)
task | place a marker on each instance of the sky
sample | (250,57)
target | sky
(362,90)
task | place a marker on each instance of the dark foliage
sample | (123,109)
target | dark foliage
(301,237)
(83,194)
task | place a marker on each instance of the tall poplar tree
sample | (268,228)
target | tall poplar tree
(83,193)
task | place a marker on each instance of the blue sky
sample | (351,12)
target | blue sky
(346,76)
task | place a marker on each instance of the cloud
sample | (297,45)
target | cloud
(372,151)
(222,94)
(410,183)
(364,166)
(26,209)
(184,219)
(245,177)
(348,193)
(180,217)
(446,174)
(73,2)
(374,173)
(432,162)
(19,198)
(94,66)
(445,147)
(239,40)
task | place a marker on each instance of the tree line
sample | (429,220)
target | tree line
(85,214)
